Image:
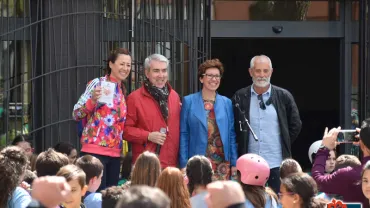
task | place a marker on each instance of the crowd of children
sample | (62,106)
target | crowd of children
(343,178)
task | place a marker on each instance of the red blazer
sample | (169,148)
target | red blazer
(144,116)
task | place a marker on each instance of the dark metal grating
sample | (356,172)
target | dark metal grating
(50,49)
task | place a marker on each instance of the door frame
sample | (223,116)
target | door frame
(345,29)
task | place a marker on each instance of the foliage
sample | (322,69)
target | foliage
(282,10)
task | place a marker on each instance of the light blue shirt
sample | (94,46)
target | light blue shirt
(198,201)
(269,203)
(19,199)
(265,124)
(93,200)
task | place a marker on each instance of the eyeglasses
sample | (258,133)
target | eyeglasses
(262,104)
(211,76)
(285,193)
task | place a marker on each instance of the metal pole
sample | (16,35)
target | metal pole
(362,62)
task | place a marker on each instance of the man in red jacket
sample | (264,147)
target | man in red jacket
(153,114)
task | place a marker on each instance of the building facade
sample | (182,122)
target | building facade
(50,49)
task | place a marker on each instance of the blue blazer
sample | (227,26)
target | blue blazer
(194,128)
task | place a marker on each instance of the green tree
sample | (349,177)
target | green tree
(282,10)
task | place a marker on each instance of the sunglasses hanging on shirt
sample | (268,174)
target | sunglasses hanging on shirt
(262,103)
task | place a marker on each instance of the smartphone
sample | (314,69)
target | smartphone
(347,136)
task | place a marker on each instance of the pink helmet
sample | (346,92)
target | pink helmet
(254,170)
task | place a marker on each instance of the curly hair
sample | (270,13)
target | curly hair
(199,172)
(13,163)
(213,63)
(111,196)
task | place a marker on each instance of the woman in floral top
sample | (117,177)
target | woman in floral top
(102,134)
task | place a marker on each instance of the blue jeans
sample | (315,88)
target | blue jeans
(112,167)
(274,179)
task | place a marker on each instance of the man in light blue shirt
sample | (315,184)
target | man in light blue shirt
(273,116)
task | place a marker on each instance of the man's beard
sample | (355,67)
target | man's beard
(261,82)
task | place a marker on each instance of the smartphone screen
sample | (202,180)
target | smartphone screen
(347,136)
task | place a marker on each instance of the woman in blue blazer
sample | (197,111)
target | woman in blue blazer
(207,124)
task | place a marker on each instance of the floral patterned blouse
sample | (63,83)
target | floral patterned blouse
(215,152)
(103,131)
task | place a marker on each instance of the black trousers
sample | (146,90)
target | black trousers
(112,166)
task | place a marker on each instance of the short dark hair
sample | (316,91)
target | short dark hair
(29,176)
(111,195)
(64,147)
(144,196)
(303,185)
(213,63)
(91,166)
(49,162)
(288,167)
(20,138)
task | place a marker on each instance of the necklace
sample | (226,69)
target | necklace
(208,103)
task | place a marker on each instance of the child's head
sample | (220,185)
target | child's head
(171,181)
(330,162)
(76,178)
(299,190)
(23,142)
(29,176)
(253,173)
(13,164)
(253,169)
(49,162)
(144,196)
(289,166)
(67,149)
(93,169)
(199,172)
(111,195)
(146,170)
(345,161)
(365,176)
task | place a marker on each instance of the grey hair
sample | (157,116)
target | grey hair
(260,57)
(156,57)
